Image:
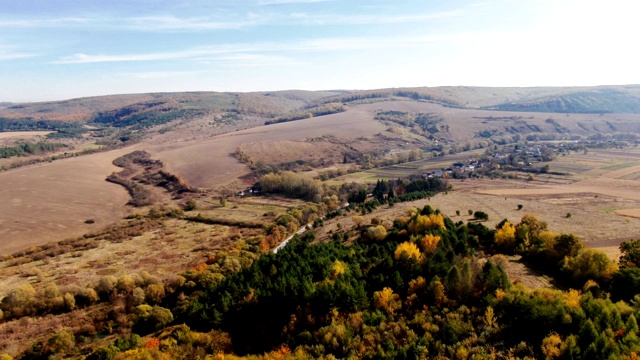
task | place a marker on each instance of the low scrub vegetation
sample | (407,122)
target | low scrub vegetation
(29,148)
(140,170)
(326,109)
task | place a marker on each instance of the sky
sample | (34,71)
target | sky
(61,49)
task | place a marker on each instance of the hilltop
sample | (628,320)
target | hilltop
(598,99)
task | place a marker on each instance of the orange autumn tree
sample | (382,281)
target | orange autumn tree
(429,243)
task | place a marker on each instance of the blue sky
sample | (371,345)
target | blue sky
(60,49)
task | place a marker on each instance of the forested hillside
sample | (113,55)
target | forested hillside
(423,287)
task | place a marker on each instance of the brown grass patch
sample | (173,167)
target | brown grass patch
(23,134)
(634,213)
(208,163)
(51,201)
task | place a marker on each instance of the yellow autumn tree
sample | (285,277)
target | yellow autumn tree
(437,292)
(358,220)
(420,223)
(337,268)
(417,284)
(572,298)
(386,300)
(408,248)
(489,319)
(505,237)
(429,243)
(551,346)
(547,239)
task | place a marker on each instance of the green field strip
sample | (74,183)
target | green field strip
(620,166)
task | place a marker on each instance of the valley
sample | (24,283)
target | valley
(189,204)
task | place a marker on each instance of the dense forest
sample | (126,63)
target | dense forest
(423,287)
(62,128)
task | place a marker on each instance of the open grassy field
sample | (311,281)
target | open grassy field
(208,163)
(162,247)
(406,169)
(51,201)
(23,134)
(603,201)
(464,124)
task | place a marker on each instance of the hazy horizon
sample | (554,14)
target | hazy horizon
(56,51)
(319,90)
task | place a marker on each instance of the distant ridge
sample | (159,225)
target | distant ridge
(624,100)
(587,100)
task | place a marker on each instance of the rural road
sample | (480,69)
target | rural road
(286,241)
(301,231)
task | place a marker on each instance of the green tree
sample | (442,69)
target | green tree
(625,284)
(630,254)
(567,245)
(534,225)
(481,215)
(590,264)
(147,319)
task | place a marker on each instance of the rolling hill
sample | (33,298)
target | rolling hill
(601,99)
(110,269)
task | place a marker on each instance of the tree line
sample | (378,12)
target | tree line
(29,148)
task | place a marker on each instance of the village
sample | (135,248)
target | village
(523,157)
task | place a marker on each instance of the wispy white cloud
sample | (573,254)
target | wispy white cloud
(254,60)
(233,21)
(226,53)
(140,23)
(161,74)
(15,56)
(266,50)
(44,23)
(160,23)
(10,53)
(164,23)
(319,19)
